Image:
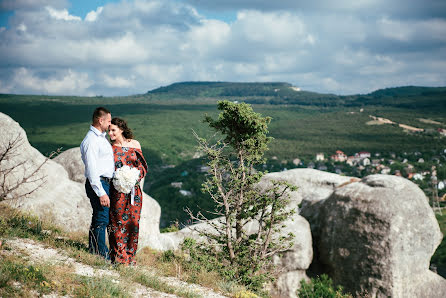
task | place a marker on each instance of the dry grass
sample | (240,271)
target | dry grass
(61,279)
(174,266)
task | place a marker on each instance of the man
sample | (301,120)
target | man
(97,155)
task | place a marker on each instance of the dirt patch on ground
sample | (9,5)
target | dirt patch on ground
(379,121)
(429,121)
(38,253)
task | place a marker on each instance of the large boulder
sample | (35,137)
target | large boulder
(376,238)
(151,211)
(71,160)
(43,186)
(313,185)
(294,262)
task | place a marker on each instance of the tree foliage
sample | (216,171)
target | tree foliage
(246,233)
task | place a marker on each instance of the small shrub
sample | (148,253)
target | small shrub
(320,287)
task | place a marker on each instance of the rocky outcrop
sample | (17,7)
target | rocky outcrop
(56,198)
(313,185)
(72,162)
(376,237)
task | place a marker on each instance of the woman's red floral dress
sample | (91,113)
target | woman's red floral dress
(124,217)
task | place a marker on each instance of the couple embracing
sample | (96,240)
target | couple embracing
(114,207)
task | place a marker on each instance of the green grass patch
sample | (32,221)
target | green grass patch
(154,282)
(99,287)
(321,286)
(17,278)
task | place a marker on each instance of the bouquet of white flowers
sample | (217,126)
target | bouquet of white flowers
(125,179)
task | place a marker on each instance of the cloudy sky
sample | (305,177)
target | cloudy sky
(123,47)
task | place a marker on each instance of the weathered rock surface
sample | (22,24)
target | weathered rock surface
(294,262)
(151,211)
(376,237)
(58,199)
(71,160)
(313,185)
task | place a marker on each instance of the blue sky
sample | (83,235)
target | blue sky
(124,47)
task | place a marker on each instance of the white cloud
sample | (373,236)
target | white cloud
(93,15)
(117,82)
(22,27)
(61,14)
(132,46)
(64,83)
(272,29)
(394,29)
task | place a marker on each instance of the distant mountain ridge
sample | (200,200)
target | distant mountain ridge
(286,93)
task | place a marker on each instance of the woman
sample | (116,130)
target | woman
(125,209)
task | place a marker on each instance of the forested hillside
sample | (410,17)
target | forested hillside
(303,124)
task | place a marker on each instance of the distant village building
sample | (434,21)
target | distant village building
(185,193)
(364,154)
(176,184)
(296,161)
(351,161)
(421,160)
(376,162)
(366,162)
(320,157)
(385,171)
(398,173)
(339,156)
(442,132)
(310,165)
(418,176)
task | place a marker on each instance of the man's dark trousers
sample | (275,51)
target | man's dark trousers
(99,221)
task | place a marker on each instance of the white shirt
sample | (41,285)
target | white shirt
(97,155)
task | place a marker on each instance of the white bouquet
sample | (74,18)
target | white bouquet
(125,179)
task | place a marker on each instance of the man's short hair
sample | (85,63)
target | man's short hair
(98,113)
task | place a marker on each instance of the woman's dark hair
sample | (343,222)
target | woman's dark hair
(122,124)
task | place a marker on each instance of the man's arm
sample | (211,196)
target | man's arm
(91,157)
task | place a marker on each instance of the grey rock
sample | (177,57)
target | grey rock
(313,185)
(72,162)
(376,237)
(288,283)
(58,199)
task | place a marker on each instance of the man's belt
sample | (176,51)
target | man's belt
(106,179)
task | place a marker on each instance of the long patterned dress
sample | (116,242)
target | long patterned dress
(124,217)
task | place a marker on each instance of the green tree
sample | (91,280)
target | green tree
(233,185)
